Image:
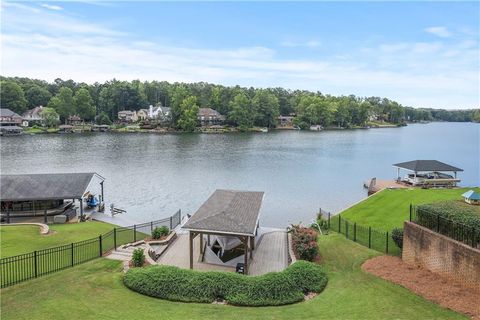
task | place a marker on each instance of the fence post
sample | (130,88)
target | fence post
(100,244)
(328,220)
(369,237)
(71,248)
(115,239)
(171,223)
(410,212)
(473,237)
(134,233)
(346,229)
(355,232)
(151,227)
(438,223)
(386,244)
(35,264)
(339,224)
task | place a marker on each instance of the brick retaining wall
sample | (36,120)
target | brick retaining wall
(440,254)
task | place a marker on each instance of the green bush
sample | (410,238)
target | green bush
(275,288)
(397,237)
(138,257)
(304,242)
(159,232)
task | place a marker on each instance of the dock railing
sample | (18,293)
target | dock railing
(19,268)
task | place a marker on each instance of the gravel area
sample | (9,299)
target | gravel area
(440,290)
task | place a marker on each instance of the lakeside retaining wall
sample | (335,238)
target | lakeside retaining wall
(440,254)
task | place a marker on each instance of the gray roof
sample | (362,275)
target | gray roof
(426,165)
(229,212)
(22,187)
(4,112)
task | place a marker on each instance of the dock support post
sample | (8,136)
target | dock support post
(201,243)
(245,243)
(81,209)
(191,248)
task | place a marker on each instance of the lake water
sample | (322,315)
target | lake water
(152,176)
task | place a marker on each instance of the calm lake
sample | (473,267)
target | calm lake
(152,176)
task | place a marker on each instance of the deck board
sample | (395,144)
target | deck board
(271,254)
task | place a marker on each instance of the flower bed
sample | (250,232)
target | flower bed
(304,243)
(275,288)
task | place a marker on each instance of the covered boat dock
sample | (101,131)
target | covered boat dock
(428,173)
(230,216)
(31,195)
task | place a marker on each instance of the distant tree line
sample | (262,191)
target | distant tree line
(243,107)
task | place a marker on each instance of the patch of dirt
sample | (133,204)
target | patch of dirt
(431,286)
(310,296)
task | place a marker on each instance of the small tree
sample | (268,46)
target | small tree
(138,257)
(397,236)
(159,232)
(50,117)
(103,118)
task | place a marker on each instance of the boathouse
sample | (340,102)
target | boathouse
(428,173)
(229,220)
(30,195)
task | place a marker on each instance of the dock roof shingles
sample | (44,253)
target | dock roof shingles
(19,187)
(426,165)
(228,211)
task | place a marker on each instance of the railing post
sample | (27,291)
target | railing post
(171,223)
(114,238)
(100,244)
(134,233)
(410,212)
(386,244)
(71,248)
(355,232)
(370,237)
(151,227)
(339,224)
(35,263)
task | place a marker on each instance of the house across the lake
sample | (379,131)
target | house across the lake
(210,117)
(74,120)
(34,116)
(127,116)
(285,121)
(10,122)
(428,173)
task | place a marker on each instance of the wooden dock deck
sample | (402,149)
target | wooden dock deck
(271,254)
(378,185)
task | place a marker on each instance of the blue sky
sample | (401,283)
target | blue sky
(420,54)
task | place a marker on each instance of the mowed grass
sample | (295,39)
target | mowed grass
(390,208)
(95,290)
(23,239)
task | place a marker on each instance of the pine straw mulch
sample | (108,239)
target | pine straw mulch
(438,289)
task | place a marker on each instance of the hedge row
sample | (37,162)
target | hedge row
(271,289)
(456,211)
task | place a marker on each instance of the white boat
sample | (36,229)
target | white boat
(316,127)
(263,129)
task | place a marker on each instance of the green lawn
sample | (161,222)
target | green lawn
(94,290)
(23,239)
(390,208)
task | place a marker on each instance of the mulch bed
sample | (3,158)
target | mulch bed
(438,289)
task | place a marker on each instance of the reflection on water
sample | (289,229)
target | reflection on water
(152,176)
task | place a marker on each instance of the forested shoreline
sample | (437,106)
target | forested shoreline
(243,107)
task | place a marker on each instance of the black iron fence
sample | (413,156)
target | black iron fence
(367,236)
(26,266)
(448,227)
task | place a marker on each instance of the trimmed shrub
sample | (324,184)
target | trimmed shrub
(275,288)
(159,232)
(304,242)
(397,237)
(138,257)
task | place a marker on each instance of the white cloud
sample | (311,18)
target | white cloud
(439,31)
(48,45)
(51,7)
(293,44)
